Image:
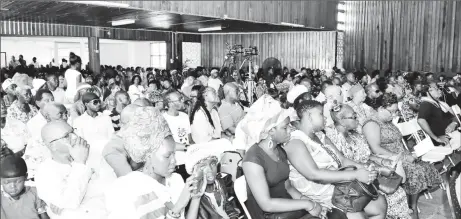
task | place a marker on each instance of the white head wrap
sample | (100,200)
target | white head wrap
(197,152)
(263,115)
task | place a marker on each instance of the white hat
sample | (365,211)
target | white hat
(198,152)
(295,92)
(7,83)
(36,84)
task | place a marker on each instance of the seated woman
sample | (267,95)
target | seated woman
(20,109)
(437,119)
(202,160)
(354,146)
(358,96)
(314,163)
(385,140)
(155,191)
(204,118)
(266,168)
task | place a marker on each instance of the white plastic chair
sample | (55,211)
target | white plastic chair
(240,188)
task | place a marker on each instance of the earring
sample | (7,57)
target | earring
(271,143)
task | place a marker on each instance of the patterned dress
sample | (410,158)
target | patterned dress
(406,111)
(420,175)
(363,113)
(15,112)
(355,147)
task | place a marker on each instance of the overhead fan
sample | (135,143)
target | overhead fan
(271,63)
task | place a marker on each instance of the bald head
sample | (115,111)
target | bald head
(334,93)
(230,90)
(142,102)
(55,130)
(55,111)
(128,113)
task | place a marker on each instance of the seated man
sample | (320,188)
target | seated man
(65,181)
(231,111)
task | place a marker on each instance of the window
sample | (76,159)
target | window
(158,55)
(191,54)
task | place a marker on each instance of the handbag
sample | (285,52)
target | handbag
(353,196)
(389,184)
(389,181)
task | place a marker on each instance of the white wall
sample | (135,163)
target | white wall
(112,52)
(125,53)
(44,48)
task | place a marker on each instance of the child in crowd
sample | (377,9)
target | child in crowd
(18,201)
(202,163)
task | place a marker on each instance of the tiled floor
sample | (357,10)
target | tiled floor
(436,208)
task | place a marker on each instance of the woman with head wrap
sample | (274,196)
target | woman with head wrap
(265,164)
(203,159)
(385,140)
(154,191)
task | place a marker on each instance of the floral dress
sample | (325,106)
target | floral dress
(355,147)
(406,111)
(363,113)
(420,175)
(15,112)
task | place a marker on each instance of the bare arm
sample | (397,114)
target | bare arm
(192,212)
(256,180)
(372,133)
(301,159)
(425,127)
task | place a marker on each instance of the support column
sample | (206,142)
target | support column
(93,50)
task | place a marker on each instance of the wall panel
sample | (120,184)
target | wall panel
(17,28)
(293,49)
(403,35)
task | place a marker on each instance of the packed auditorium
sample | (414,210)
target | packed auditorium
(321,109)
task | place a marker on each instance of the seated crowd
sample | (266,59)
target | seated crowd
(135,143)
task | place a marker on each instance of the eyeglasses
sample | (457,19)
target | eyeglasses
(95,102)
(354,117)
(71,136)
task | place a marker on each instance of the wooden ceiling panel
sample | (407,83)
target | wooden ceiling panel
(94,15)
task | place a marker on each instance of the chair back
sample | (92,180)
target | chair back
(240,188)
(409,127)
(230,163)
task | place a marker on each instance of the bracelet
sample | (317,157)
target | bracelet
(315,205)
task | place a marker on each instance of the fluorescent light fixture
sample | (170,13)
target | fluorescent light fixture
(123,22)
(209,29)
(102,3)
(291,24)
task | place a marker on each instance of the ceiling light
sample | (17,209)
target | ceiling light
(102,3)
(291,24)
(123,22)
(209,29)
